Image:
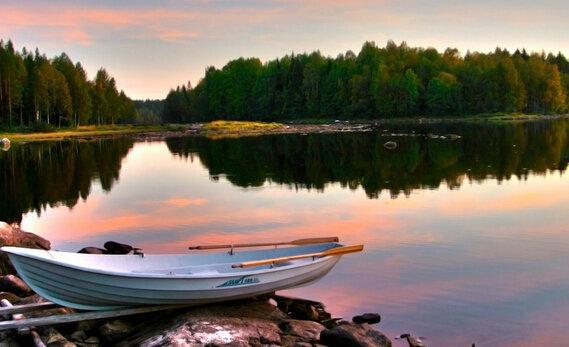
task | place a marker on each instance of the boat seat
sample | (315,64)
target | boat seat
(179,271)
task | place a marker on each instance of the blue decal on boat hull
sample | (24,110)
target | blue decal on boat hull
(239,282)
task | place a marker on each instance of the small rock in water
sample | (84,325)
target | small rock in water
(14,284)
(369,318)
(390,145)
(117,248)
(92,250)
(5,145)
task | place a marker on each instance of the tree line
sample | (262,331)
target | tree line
(57,92)
(393,81)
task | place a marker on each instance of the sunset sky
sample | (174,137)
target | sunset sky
(151,46)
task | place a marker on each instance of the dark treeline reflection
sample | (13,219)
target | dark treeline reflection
(34,176)
(422,159)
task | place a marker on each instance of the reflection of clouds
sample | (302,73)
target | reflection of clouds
(178,202)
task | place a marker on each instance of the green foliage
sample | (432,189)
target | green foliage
(393,81)
(36,90)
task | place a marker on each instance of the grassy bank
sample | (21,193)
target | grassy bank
(29,135)
(237,127)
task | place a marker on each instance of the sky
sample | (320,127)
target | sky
(152,46)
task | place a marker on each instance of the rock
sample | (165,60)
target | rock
(117,248)
(290,341)
(390,145)
(32,299)
(306,312)
(413,341)
(302,309)
(369,318)
(115,330)
(306,330)
(92,250)
(302,344)
(5,144)
(92,341)
(88,326)
(14,284)
(215,331)
(9,342)
(13,236)
(238,323)
(354,335)
(78,336)
(52,338)
(13,298)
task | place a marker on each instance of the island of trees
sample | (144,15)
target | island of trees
(37,90)
(394,81)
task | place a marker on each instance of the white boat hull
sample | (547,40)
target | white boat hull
(57,277)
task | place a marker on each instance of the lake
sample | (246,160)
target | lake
(466,225)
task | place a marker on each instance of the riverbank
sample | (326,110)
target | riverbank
(271,319)
(221,129)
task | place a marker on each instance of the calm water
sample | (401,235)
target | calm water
(467,240)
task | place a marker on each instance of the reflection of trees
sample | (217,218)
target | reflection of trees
(34,176)
(359,159)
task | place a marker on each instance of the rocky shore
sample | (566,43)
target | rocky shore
(270,320)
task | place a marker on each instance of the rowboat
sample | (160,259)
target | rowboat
(108,282)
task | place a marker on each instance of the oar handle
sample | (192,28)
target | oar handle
(330,252)
(308,241)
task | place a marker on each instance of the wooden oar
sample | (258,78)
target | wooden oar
(294,243)
(332,251)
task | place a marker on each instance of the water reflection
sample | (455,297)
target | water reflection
(423,158)
(473,249)
(38,175)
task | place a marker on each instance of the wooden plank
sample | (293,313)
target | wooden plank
(332,251)
(36,340)
(298,242)
(81,316)
(27,308)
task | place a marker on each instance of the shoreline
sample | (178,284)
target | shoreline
(247,128)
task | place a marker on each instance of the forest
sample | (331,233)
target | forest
(37,92)
(393,81)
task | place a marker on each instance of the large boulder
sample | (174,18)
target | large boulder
(14,236)
(14,284)
(354,335)
(239,323)
(215,331)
